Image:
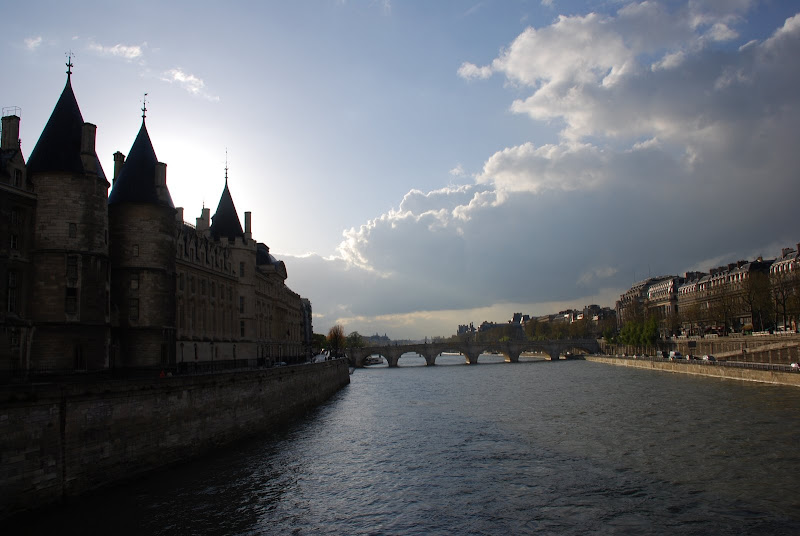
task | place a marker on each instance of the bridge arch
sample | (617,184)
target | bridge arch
(472,350)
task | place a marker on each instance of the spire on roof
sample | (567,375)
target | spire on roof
(59,146)
(69,64)
(144,107)
(136,182)
(225,222)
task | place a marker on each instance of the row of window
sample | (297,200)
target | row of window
(216,260)
(203,284)
(193,319)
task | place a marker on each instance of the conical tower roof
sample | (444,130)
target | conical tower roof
(225,222)
(59,146)
(136,181)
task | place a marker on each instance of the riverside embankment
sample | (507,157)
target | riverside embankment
(742,372)
(59,440)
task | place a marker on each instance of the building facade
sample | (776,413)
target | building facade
(92,280)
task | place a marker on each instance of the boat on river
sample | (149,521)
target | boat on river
(373,360)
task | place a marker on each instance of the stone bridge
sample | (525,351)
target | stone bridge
(471,350)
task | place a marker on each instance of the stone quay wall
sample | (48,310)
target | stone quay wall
(705,369)
(60,440)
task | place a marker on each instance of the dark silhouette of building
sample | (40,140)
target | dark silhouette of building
(96,281)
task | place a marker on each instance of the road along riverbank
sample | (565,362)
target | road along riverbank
(58,440)
(746,372)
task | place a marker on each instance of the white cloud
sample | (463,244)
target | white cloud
(128,52)
(670,61)
(32,43)
(568,166)
(457,171)
(471,71)
(721,32)
(601,272)
(189,82)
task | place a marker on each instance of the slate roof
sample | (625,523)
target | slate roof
(59,146)
(264,257)
(225,222)
(136,181)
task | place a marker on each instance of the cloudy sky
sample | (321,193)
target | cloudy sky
(422,164)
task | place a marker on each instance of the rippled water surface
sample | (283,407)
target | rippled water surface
(547,447)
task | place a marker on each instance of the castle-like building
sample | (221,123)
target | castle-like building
(95,281)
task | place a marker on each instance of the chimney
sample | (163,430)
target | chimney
(179,214)
(161,174)
(248,234)
(87,138)
(10,138)
(204,221)
(119,160)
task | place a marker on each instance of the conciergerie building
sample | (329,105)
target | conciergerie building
(93,280)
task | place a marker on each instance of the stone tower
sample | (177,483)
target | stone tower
(70,270)
(227,229)
(141,219)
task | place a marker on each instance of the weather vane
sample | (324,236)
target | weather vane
(69,62)
(226,165)
(144,106)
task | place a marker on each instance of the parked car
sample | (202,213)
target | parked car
(673,355)
(709,358)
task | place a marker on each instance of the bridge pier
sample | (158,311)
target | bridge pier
(512,356)
(430,358)
(472,356)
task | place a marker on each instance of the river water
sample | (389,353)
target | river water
(569,447)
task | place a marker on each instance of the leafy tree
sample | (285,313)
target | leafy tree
(649,332)
(607,325)
(642,333)
(336,339)
(355,340)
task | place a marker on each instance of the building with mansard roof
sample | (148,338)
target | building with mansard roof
(94,281)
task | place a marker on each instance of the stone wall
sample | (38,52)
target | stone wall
(62,440)
(705,369)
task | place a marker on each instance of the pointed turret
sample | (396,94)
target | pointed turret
(225,221)
(141,219)
(59,147)
(137,181)
(70,229)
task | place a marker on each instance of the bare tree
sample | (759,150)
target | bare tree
(722,306)
(783,288)
(756,296)
(336,340)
